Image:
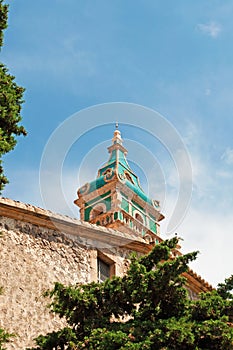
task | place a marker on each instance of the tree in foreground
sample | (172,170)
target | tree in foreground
(11,99)
(148,308)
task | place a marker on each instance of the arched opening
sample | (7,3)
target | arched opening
(139,218)
(97,210)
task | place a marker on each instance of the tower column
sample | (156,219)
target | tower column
(116,199)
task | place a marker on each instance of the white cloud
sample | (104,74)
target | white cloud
(212,29)
(228,156)
(223,174)
(204,231)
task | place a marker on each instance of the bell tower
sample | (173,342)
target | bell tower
(115,198)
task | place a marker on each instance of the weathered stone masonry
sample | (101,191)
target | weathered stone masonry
(32,259)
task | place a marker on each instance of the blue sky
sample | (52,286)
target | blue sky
(173,57)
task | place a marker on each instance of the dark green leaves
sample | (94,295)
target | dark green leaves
(11,99)
(148,309)
(3,20)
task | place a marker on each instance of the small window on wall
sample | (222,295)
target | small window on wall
(103,270)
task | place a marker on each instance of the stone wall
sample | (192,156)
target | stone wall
(32,259)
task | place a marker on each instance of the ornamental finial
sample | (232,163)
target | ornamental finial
(117,135)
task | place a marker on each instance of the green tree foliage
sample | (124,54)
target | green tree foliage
(148,308)
(4,338)
(11,99)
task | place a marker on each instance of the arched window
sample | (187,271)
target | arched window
(97,210)
(139,217)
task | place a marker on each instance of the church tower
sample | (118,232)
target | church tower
(115,198)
